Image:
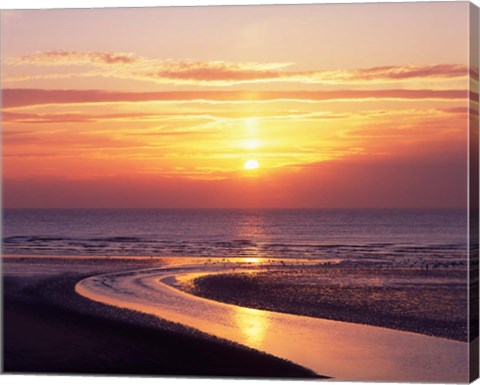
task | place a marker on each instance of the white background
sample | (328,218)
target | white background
(80,380)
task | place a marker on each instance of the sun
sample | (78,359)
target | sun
(251,164)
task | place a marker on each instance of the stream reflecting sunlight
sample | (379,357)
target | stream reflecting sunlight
(343,350)
(253,324)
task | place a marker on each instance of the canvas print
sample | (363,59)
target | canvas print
(246,191)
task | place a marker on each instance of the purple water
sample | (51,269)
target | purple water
(356,236)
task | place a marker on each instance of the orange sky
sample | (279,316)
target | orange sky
(341,106)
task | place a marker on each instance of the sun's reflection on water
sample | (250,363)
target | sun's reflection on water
(253,324)
(251,229)
(251,260)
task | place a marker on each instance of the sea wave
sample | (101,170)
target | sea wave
(435,255)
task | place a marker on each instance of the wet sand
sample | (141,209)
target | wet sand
(48,328)
(432,303)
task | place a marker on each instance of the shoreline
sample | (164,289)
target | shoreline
(49,328)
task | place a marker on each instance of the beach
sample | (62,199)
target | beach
(137,316)
(49,328)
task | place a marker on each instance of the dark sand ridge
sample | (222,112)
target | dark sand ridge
(432,303)
(48,328)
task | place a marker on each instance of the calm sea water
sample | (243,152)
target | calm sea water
(354,236)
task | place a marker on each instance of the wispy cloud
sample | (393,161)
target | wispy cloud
(220,73)
(62,57)
(70,118)
(14,98)
(217,116)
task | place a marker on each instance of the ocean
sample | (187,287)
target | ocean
(380,236)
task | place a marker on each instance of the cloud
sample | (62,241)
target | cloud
(62,57)
(215,72)
(15,97)
(457,110)
(401,72)
(235,115)
(221,73)
(69,118)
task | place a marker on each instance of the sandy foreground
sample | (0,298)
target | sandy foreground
(49,328)
(137,315)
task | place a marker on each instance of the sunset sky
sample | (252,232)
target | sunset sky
(338,105)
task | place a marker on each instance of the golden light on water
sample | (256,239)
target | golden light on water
(252,260)
(251,164)
(253,324)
